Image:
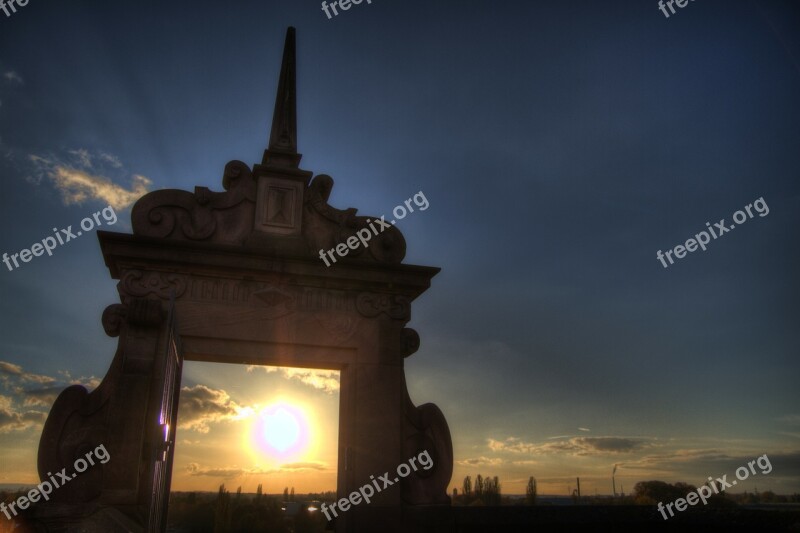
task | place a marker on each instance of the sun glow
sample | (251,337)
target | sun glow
(281,431)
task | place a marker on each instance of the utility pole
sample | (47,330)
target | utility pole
(613,481)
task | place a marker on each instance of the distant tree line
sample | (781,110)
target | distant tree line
(486,491)
(239,513)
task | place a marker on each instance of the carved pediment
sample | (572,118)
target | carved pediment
(229,218)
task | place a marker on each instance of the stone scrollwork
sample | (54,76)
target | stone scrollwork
(327,226)
(394,306)
(224,217)
(340,327)
(427,430)
(162,285)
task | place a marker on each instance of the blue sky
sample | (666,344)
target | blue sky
(560,145)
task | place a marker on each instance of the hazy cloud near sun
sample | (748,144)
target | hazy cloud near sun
(295,467)
(194,469)
(202,405)
(324,380)
(481,461)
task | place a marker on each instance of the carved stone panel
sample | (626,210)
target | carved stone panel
(279,207)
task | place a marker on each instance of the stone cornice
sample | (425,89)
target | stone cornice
(124,252)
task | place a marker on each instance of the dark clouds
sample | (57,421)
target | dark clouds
(201,406)
(574,445)
(14,420)
(15,371)
(25,402)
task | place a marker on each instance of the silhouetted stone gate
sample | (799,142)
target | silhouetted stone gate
(235,277)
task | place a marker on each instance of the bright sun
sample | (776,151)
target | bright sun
(281,431)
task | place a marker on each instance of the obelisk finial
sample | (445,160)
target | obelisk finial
(282,150)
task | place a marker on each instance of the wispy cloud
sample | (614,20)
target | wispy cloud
(40,397)
(83,176)
(232,472)
(790,420)
(570,446)
(88,160)
(674,459)
(83,157)
(297,467)
(324,380)
(89,382)
(711,461)
(195,469)
(77,186)
(10,369)
(109,159)
(12,77)
(481,461)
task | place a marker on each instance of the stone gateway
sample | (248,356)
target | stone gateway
(235,277)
